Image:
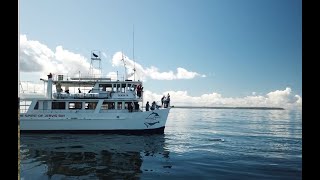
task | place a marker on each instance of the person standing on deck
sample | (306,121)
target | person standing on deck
(162,100)
(168,100)
(147,106)
(153,106)
(139,90)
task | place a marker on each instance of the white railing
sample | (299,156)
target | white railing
(24,106)
(95,77)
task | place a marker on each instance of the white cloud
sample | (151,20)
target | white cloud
(279,98)
(37,57)
(150,72)
(33,55)
(299,100)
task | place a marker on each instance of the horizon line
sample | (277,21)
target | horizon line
(228,107)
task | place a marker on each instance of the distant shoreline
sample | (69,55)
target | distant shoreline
(210,107)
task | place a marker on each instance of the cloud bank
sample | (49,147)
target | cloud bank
(143,73)
(37,57)
(279,98)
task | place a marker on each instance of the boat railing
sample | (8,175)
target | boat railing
(101,94)
(81,77)
(24,105)
(75,95)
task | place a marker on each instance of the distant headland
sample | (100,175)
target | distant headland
(212,107)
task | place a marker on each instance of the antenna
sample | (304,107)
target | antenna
(125,69)
(134,62)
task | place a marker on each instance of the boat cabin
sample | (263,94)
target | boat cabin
(94,94)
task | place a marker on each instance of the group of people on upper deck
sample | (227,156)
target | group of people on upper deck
(165,103)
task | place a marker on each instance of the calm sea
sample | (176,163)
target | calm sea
(197,144)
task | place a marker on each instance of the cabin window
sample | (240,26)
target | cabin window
(102,88)
(108,89)
(123,88)
(105,87)
(130,87)
(117,88)
(90,105)
(36,106)
(127,105)
(119,105)
(58,105)
(75,105)
(104,105)
(111,105)
(108,105)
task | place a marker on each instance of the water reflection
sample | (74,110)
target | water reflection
(88,156)
(283,115)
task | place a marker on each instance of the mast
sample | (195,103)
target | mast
(134,62)
(95,56)
(125,69)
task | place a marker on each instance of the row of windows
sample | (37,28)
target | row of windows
(88,105)
(73,105)
(117,87)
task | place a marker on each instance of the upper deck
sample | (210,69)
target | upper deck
(93,87)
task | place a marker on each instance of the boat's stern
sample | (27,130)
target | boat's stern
(156,118)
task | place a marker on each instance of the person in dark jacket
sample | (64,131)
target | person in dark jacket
(147,106)
(153,106)
(162,100)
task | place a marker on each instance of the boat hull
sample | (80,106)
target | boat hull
(102,122)
(119,131)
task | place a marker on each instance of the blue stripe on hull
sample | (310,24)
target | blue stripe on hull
(137,131)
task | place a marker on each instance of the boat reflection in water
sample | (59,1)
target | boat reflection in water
(92,156)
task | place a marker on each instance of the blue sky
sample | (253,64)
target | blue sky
(238,48)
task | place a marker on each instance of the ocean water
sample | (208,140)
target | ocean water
(197,144)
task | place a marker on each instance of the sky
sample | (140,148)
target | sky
(202,52)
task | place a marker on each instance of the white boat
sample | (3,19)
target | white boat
(103,105)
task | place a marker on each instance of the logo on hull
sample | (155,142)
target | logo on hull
(152,119)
